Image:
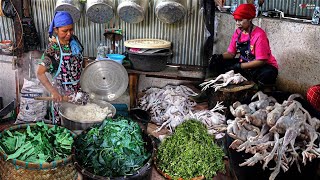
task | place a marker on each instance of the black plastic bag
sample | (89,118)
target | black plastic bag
(8,9)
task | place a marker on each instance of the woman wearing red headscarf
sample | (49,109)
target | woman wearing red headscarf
(249,50)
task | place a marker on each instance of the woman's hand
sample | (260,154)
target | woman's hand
(57,97)
(219,3)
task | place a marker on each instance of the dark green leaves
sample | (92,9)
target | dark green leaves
(190,152)
(114,148)
(37,144)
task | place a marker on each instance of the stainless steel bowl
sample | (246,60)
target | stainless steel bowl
(85,123)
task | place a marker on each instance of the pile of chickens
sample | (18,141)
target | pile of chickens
(170,106)
(285,133)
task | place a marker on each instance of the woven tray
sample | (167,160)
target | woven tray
(20,170)
(147,43)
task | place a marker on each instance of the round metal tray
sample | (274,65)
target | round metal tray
(104,80)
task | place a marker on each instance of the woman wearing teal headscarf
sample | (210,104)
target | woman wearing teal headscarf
(63,60)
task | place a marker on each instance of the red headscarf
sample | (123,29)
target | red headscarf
(245,11)
(313,96)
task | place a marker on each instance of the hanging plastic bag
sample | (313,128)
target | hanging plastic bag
(8,9)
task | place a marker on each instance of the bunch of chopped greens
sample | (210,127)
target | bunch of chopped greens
(114,148)
(190,152)
(37,144)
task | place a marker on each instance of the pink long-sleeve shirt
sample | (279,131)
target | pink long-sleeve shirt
(259,45)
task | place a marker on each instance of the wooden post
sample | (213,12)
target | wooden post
(18,29)
(133,88)
(209,16)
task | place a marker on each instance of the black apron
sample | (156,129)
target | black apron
(243,48)
(266,74)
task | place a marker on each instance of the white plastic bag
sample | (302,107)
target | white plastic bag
(31,110)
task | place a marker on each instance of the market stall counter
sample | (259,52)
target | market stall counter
(176,72)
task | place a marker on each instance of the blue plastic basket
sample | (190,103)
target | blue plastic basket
(116,57)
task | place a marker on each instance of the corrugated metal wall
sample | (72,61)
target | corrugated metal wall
(6,28)
(187,36)
(302,8)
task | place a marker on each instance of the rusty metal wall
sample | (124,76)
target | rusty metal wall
(301,8)
(187,36)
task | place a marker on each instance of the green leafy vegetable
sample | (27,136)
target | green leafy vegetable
(190,152)
(37,144)
(114,148)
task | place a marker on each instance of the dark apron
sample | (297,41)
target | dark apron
(266,74)
(243,48)
(74,81)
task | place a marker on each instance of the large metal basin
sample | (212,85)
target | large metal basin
(85,123)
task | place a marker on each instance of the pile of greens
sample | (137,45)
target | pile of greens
(114,148)
(190,152)
(37,144)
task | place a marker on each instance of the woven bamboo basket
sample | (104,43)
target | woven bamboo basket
(20,170)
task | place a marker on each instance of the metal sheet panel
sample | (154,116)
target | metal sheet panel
(187,36)
(6,29)
(300,8)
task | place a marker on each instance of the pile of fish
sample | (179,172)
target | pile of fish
(223,80)
(171,105)
(285,133)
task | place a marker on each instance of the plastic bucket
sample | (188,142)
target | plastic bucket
(149,62)
(100,11)
(132,11)
(170,11)
(72,6)
(116,57)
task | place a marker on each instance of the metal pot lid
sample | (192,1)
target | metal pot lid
(104,80)
(131,12)
(71,6)
(99,11)
(170,12)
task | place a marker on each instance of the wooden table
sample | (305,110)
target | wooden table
(171,72)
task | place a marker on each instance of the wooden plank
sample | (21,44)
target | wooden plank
(133,88)
(19,48)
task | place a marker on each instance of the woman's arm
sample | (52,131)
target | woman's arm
(228,55)
(41,74)
(253,64)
